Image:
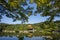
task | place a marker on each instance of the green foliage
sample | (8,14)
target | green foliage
(42,29)
(31,1)
(14,9)
(48,27)
(47,7)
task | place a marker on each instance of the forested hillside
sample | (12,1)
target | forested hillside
(38,26)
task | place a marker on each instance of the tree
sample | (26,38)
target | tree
(2,26)
(49,8)
(13,9)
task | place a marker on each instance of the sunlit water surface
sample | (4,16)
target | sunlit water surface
(24,38)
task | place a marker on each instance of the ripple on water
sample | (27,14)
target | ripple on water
(25,38)
(8,38)
(34,38)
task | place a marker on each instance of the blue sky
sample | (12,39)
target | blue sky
(32,19)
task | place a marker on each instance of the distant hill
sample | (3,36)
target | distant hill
(24,26)
(30,24)
(48,22)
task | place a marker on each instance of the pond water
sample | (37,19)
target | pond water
(33,38)
(8,38)
(24,38)
(28,36)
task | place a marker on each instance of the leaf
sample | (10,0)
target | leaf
(30,13)
(31,1)
(0,16)
(14,20)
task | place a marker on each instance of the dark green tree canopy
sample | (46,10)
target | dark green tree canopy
(13,9)
(49,8)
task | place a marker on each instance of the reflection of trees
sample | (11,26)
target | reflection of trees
(21,38)
(2,27)
(29,35)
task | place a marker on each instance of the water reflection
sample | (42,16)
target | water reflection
(21,38)
(28,36)
(33,38)
(25,38)
(8,38)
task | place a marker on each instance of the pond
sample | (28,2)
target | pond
(23,38)
(28,36)
(8,38)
